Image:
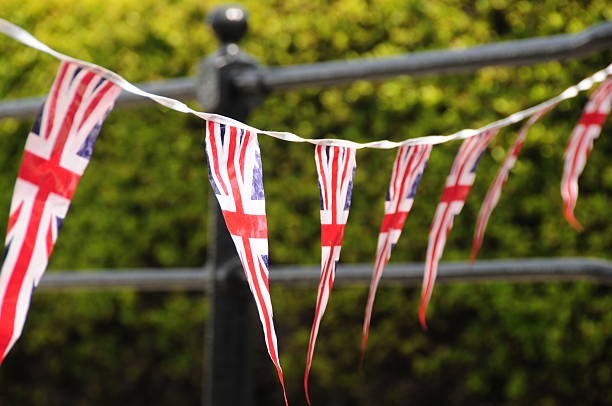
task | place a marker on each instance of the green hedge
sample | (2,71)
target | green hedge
(143,203)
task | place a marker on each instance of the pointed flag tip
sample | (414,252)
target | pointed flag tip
(422,318)
(362,358)
(306,389)
(577,226)
(282,382)
(286,401)
(424,325)
(573,221)
(475,250)
(364,343)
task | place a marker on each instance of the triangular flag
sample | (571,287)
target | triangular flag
(407,170)
(57,152)
(494,192)
(580,145)
(458,185)
(236,176)
(336,169)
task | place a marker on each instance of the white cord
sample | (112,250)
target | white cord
(21,35)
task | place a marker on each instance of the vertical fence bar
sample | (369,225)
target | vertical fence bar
(228,369)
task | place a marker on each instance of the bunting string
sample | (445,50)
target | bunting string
(21,35)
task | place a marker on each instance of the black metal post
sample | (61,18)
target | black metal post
(228,374)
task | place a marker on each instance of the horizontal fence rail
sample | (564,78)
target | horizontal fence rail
(198,279)
(518,52)
(181,88)
(508,53)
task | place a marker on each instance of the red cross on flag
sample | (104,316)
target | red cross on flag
(336,169)
(458,185)
(57,152)
(236,177)
(494,192)
(407,170)
(580,145)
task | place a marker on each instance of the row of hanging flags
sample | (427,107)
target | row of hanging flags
(61,143)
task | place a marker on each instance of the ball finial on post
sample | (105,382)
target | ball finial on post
(230,22)
(219,72)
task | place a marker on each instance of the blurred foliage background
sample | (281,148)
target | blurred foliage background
(143,204)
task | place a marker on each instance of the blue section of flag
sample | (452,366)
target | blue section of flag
(102,80)
(257,192)
(477,161)
(36,126)
(415,185)
(76,72)
(90,142)
(266,261)
(6,250)
(222,133)
(212,180)
(349,192)
(320,195)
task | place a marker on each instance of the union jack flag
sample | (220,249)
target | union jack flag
(236,176)
(336,169)
(408,168)
(458,185)
(56,154)
(580,145)
(495,189)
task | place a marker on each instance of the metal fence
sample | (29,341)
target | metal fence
(197,279)
(232,83)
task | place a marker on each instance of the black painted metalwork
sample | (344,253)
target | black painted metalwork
(504,270)
(228,379)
